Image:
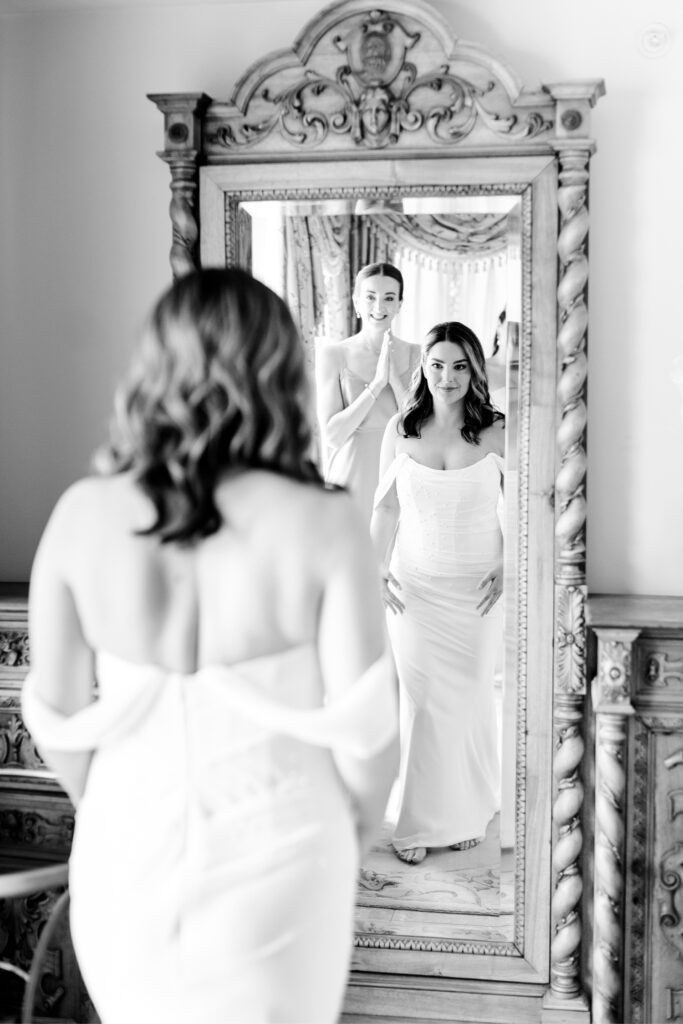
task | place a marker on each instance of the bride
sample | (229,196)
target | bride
(437,532)
(237,756)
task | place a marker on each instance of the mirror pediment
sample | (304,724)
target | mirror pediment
(373,116)
(385,80)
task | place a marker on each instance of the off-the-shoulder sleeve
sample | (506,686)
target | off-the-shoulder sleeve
(360,721)
(500,504)
(387,482)
(90,727)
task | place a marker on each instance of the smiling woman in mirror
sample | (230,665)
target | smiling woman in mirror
(437,531)
(361,382)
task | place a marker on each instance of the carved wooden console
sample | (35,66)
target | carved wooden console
(638,845)
(36,817)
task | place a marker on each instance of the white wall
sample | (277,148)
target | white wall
(85,236)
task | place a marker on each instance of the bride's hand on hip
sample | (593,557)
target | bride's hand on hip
(492,583)
(391,601)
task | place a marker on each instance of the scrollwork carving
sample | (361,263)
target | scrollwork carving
(375,98)
(17,749)
(671,901)
(28,828)
(14,648)
(22,919)
(661,670)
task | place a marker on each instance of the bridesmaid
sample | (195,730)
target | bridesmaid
(361,382)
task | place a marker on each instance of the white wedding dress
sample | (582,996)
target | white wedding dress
(214,860)
(448,538)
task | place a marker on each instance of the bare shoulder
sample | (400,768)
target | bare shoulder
(494,437)
(80,502)
(330,353)
(392,428)
(412,348)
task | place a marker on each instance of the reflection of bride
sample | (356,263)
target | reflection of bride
(437,531)
(360,383)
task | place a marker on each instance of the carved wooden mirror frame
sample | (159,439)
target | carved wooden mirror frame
(454,119)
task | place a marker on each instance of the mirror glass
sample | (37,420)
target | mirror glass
(461,258)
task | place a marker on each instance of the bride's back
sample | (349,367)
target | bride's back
(253,587)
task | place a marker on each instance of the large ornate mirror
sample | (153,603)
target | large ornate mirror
(382,137)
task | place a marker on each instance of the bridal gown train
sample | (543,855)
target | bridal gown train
(446,652)
(214,859)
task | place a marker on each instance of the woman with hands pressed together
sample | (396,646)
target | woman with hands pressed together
(360,384)
(436,529)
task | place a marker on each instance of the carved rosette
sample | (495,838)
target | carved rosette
(570,639)
(614,671)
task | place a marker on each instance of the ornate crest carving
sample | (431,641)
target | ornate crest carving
(375,97)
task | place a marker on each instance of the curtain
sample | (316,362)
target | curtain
(455,267)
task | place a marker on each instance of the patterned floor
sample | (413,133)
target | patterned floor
(475,881)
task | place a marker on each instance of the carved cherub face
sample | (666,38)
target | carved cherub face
(375,110)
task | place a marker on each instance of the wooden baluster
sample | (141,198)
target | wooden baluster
(613,709)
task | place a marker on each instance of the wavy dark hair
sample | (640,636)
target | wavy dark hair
(419,404)
(218,383)
(377,269)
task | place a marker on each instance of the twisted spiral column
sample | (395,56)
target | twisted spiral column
(184,222)
(570,573)
(569,793)
(184,115)
(570,491)
(613,711)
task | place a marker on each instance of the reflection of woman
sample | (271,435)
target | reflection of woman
(441,484)
(240,749)
(360,384)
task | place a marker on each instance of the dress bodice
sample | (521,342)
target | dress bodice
(449,519)
(273,694)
